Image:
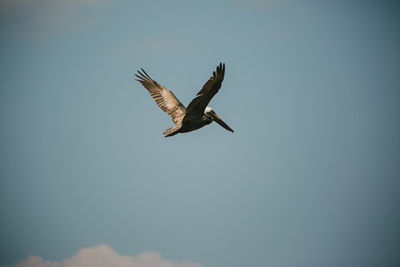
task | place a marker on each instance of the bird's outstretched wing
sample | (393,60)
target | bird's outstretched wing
(164,98)
(210,88)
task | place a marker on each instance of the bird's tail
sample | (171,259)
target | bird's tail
(171,131)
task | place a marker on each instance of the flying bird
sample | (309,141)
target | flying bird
(197,114)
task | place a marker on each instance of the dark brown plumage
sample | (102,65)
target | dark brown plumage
(197,114)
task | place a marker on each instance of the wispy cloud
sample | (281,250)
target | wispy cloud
(22,19)
(105,256)
(12,4)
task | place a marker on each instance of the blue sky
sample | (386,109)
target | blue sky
(309,178)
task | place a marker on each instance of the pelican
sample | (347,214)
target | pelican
(197,114)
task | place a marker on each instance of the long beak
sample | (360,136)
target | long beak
(218,120)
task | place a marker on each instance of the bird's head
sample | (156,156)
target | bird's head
(209,112)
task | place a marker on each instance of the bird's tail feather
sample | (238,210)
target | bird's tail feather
(171,131)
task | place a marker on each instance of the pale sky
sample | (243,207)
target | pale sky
(309,178)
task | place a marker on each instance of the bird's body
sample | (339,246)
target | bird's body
(197,114)
(190,124)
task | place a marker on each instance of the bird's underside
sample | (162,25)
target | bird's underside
(193,116)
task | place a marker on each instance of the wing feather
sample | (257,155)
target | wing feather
(164,98)
(210,88)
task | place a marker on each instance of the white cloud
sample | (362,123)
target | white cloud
(10,4)
(105,256)
(31,19)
